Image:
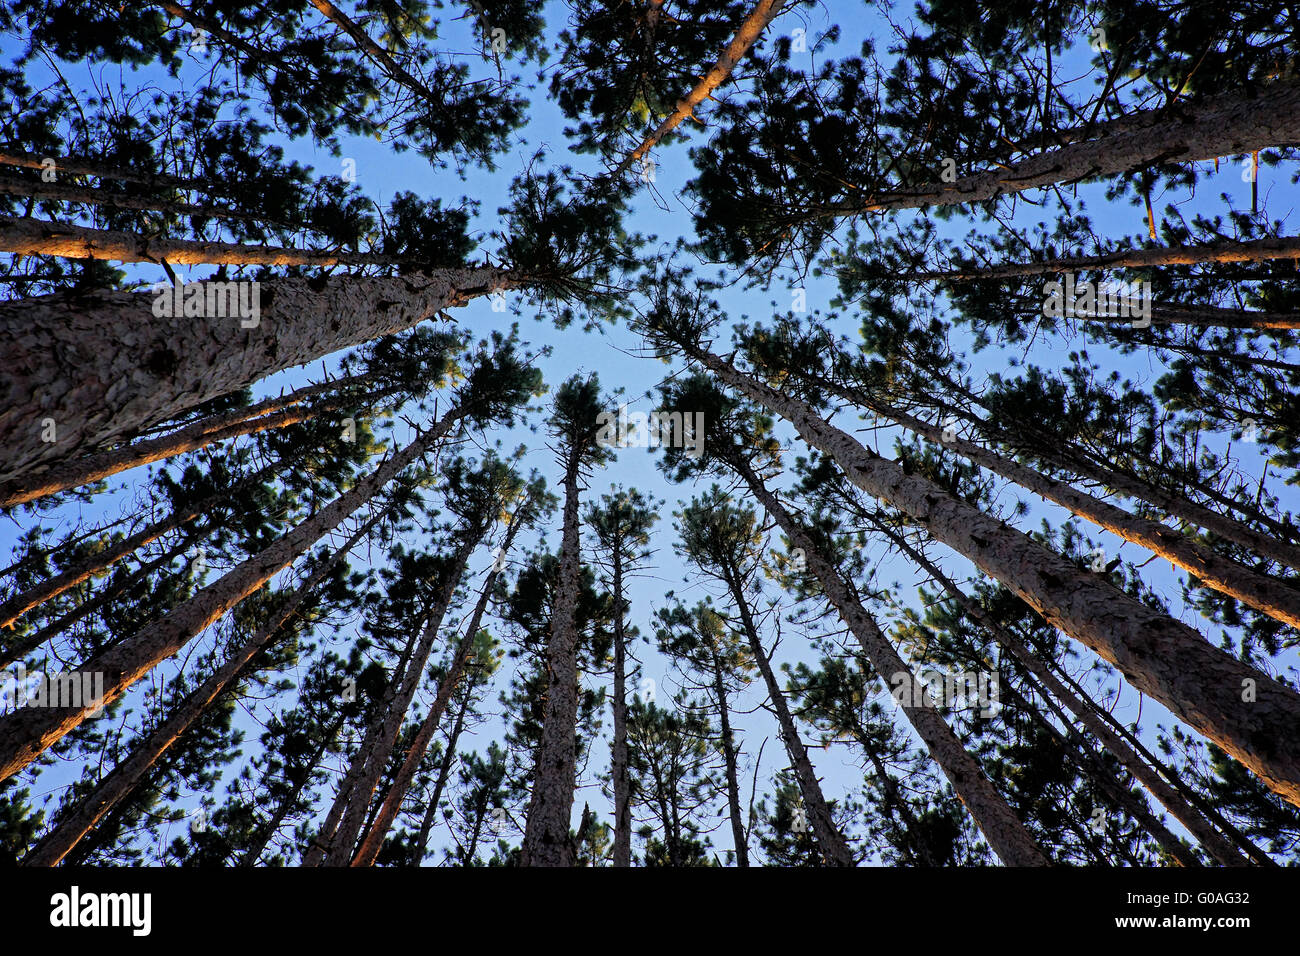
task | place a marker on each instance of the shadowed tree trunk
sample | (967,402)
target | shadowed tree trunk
(996,820)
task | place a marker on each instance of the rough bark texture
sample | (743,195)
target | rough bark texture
(103,367)
(750,30)
(124,777)
(1160,656)
(27,733)
(1256,250)
(1275,598)
(1234,125)
(829,839)
(996,820)
(546,833)
(270,413)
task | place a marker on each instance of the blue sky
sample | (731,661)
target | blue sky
(612,352)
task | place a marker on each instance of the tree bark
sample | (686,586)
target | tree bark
(374,839)
(27,733)
(1273,597)
(276,412)
(1255,250)
(622,850)
(546,832)
(829,839)
(123,778)
(102,366)
(1160,656)
(1234,125)
(1004,831)
(750,29)
(379,746)
(39,237)
(729,758)
(1200,828)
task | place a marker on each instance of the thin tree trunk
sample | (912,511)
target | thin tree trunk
(27,733)
(622,850)
(750,29)
(1269,595)
(92,564)
(1069,458)
(123,778)
(1004,831)
(1235,125)
(96,603)
(361,799)
(18,605)
(421,843)
(729,757)
(86,166)
(1205,315)
(546,832)
(376,53)
(276,412)
(829,839)
(1255,250)
(258,847)
(1160,656)
(374,839)
(39,237)
(55,192)
(101,367)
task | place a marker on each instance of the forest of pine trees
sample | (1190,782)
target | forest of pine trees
(650,433)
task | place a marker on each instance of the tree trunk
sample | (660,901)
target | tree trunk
(379,746)
(729,757)
(546,832)
(622,850)
(1269,595)
(374,839)
(123,778)
(1200,828)
(421,843)
(86,166)
(101,598)
(1256,250)
(102,366)
(1234,126)
(830,841)
(1004,831)
(1070,458)
(270,413)
(1160,656)
(750,29)
(55,192)
(92,564)
(27,733)
(267,834)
